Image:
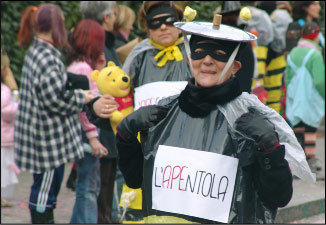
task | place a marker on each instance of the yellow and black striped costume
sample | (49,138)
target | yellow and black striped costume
(276,63)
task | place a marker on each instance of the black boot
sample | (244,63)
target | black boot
(72,179)
(50,216)
(44,218)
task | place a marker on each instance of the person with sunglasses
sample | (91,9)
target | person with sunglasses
(161,56)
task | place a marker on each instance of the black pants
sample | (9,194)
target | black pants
(104,201)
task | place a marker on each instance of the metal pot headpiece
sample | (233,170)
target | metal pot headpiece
(222,32)
(215,30)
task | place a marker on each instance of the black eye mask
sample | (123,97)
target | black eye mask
(154,23)
(157,22)
(211,48)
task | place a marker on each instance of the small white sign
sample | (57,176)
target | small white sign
(152,93)
(194,183)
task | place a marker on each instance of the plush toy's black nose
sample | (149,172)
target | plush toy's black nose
(125,79)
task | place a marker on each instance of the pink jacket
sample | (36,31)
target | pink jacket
(8,115)
(84,68)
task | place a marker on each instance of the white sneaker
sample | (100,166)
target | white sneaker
(314,164)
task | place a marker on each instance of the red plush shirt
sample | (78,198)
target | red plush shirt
(125,102)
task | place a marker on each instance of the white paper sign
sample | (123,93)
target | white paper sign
(193,183)
(150,94)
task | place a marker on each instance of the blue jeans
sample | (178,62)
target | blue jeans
(87,190)
(119,181)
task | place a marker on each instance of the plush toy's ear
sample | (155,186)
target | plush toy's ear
(94,75)
(111,63)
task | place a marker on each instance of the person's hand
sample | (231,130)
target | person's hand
(98,150)
(105,105)
(142,119)
(256,126)
(88,96)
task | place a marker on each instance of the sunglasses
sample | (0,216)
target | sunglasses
(155,23)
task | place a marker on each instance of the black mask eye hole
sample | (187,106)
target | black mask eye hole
(170,19)
(155,22)
(219,52)
(199,50)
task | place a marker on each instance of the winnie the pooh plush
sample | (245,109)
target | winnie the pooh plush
(113,80)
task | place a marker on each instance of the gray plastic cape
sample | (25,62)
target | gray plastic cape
(180,130)
(141,66)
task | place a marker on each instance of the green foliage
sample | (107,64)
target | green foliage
(10,22)
(205,9)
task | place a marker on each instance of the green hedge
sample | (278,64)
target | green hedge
(11,14)
(10,22)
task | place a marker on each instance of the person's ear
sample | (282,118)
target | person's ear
(179,31)
(236,67)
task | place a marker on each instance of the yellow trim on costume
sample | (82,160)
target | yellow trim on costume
(275,106)
(133,222)
(274,95)
(138,137)
(261,67)
(273,81)
(261,52)
(137,202)
(169,53)
(277,63)
(165,219)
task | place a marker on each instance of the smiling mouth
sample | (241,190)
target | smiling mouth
(164,35)
(208,72)
(126,89)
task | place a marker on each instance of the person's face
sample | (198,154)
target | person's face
(313,10)
(165,35)
(130,25)
(109,20)
(207,70)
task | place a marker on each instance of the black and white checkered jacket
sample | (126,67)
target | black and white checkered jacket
(47,126)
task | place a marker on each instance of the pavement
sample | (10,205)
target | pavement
(308,198)
(307,204)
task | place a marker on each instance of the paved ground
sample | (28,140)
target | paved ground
(20,212)
(308,198)
(317,219)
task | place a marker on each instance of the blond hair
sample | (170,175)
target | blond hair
(124,15)
(4,59)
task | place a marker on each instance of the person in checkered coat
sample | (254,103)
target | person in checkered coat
(47,129)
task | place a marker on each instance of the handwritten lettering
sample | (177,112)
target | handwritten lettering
(188,179)
(224,180)
(155,177)
(164,177)
(210,185)
(150,101)
(205,185)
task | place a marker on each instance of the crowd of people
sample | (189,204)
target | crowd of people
(236,102)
